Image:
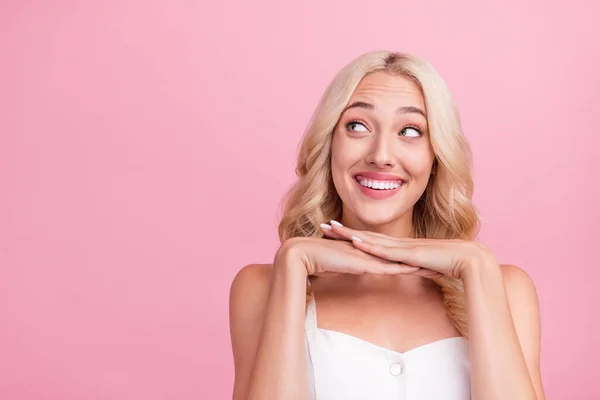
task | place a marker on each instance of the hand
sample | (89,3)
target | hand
(321,256)
(451,257)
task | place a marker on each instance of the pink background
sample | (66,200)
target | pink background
(145,147)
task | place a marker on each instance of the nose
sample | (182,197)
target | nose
(381,153)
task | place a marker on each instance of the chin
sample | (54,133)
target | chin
(373,216)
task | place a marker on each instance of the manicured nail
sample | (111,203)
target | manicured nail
(334,222)
(357,239)
(325,226)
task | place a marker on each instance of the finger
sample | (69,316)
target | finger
(390,269)
(405,255)
(341,230)
(327,273)
(327,231)
(427,273)
(395,253)
(380,235)
(364,235)
(378,239)
(376,265)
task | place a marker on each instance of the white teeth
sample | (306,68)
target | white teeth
(380,185)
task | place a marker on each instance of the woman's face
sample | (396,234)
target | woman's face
(381,153)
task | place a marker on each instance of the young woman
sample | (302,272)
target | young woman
(379,289)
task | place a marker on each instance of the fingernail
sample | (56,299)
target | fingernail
(325,226)
(356,238)
(334,222)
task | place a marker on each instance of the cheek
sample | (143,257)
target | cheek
(338,167)
(343,157)
(419,164)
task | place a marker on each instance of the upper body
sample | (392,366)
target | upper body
(357,325)
(402,277)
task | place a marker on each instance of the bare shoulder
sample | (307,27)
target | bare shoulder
(250,283)
(513,273)
(524,307)
(520,290)
(525,310)
(517,281)
(252,273)
(248,297)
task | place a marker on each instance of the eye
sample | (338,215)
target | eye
(350,124)
(409,131)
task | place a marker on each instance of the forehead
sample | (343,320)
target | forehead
(384,89)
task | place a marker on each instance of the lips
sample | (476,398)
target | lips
(380,189)
(361,178)
(378,176)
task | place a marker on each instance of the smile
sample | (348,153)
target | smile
(377,184)
(378,189)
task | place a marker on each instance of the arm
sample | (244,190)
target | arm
(502,309)
(266,311)
(504,330)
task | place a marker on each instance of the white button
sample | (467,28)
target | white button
(395,369)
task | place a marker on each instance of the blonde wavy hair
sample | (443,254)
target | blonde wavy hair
(444,211)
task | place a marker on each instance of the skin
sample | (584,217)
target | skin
(371,280)
(382,140)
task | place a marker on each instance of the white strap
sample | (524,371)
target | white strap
(311,315)
(310,328)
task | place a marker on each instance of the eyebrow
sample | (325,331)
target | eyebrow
(400,110)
